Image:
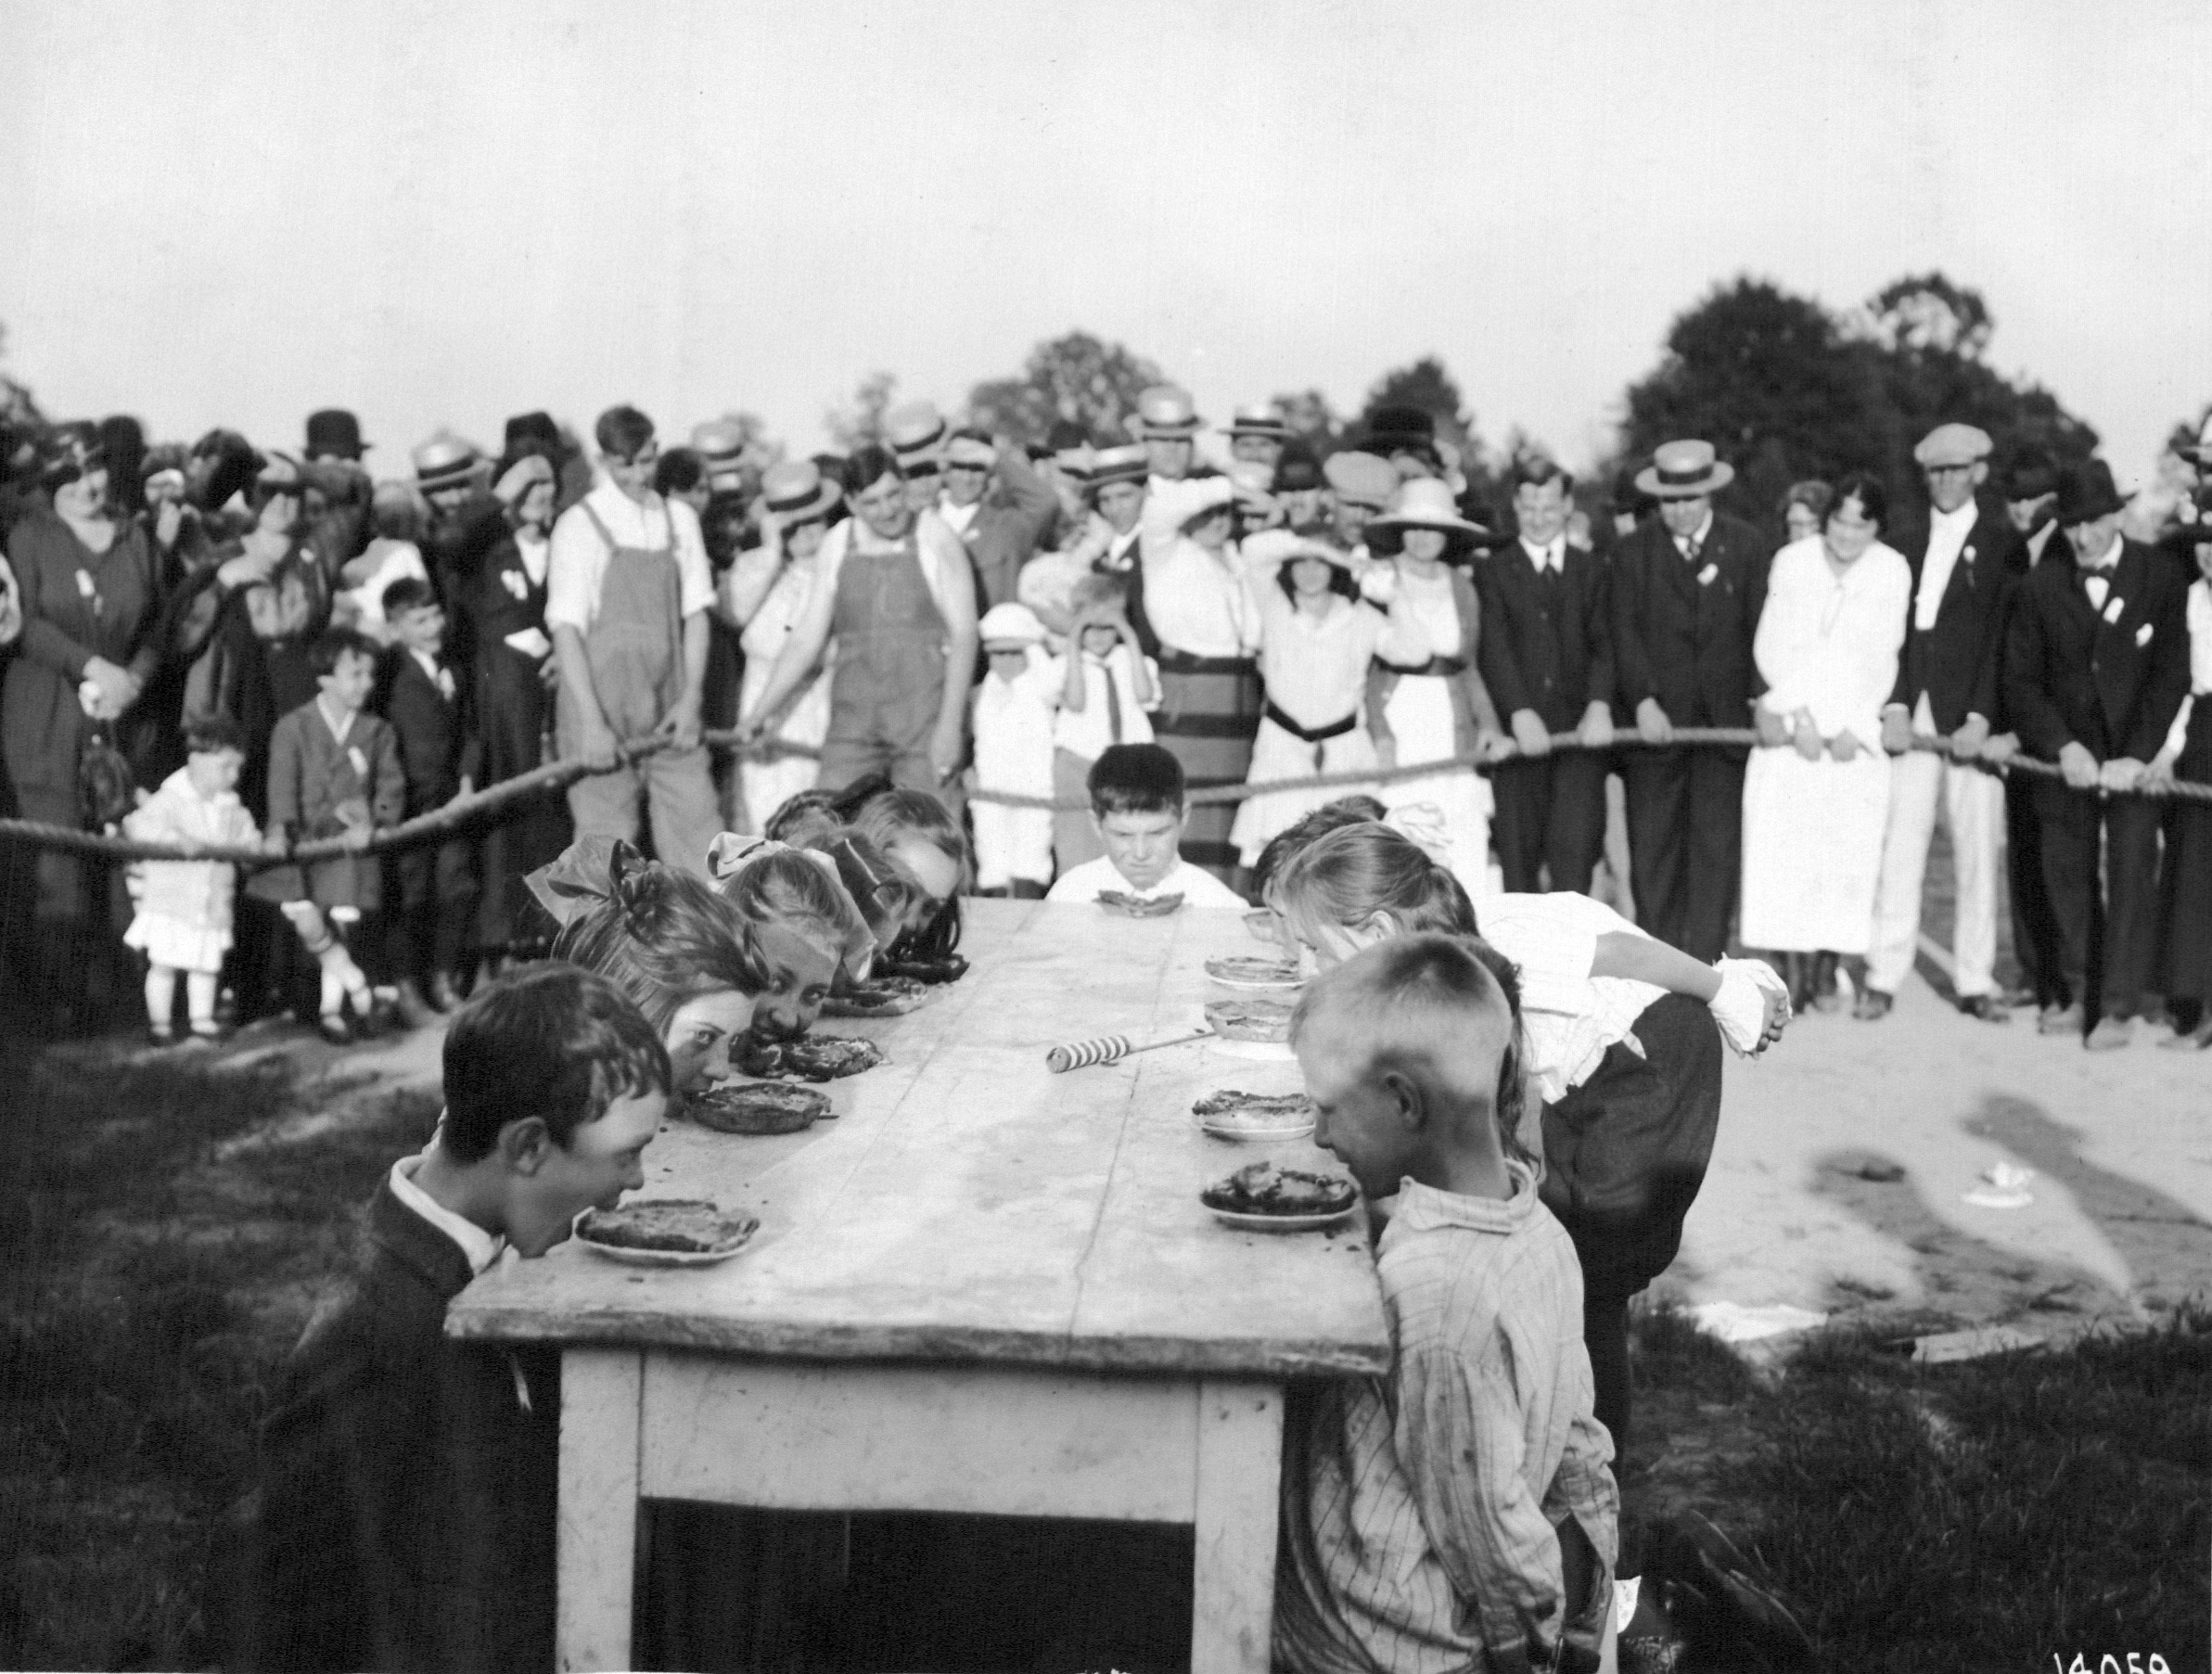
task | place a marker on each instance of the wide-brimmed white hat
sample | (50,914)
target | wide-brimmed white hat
(1360,479)
(1684,470)
(1202,496)
(1425,503)
(1010,623)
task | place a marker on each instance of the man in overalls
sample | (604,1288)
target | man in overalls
(897,593)
(627,590)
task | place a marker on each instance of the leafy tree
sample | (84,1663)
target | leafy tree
(857,422)
(1784,389)
(1078,377)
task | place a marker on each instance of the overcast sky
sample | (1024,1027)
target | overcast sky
(234,210)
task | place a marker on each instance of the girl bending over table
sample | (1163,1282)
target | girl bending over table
(919,837)
(664,937)
(811,935)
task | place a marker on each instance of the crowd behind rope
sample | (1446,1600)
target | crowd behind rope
(239,642)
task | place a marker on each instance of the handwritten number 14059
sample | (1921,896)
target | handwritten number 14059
(2110,1664)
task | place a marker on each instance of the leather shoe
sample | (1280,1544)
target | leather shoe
(2059,1020)
(335,1028)
(1872,1006)
(2111,1034)
(2196,1039)
(1985,1009)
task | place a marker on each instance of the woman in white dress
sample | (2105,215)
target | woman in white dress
(763,593)
(1437,707)
(1816,794)
(1317,640)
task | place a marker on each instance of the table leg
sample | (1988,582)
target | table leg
(598,1506)
(1240,1468)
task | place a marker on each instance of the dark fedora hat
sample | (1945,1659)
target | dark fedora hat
(2086,492)
(1299,469)
(2029,476)
(334,430)
(1391,428)
(526,428)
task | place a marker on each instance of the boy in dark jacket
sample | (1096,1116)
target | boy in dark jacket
(437,882)
(405,1514)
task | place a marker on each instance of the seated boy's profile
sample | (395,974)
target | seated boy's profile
(405,1514)
(1459,1513)
(1136,805)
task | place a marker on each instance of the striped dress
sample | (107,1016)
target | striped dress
(1204,610)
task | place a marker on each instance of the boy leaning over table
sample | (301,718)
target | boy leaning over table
(1459,1513)
(1137,809)
(404,1518)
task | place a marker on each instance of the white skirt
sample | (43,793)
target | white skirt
(1812,850)
(1280,755)
(768,785)
(1419,713)
(178,943)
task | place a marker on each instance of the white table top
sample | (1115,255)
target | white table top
(969,1206)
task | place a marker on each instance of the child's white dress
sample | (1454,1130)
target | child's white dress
(184,917)
(1014,752)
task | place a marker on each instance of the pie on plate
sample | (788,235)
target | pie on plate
(1233,1114)
(758,1108)
(666,1232)
(950,968)
(1269,1198)
(808,1058)
(1138,906)
(1251,971)
(1249,1019)
(880,997)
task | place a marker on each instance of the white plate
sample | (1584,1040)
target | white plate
(1263,1051)
(1254,1135)
(664,1258)
(1280,1224)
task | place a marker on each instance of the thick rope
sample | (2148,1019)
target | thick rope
(441,822)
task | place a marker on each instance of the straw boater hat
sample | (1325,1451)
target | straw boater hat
(2086,492)
(1165,411)
(1684,470)
(334,430)
(1427,503)
(1360,479)
(971,450)
(1953,444)
(913,430)
(796,491)
(1260,418)
(720,444)
(1128,462)
(443,462)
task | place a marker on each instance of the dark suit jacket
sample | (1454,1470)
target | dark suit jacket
(1956,662)
(405,1514)
(1013,520)
(2072,676)
(1551,652)
(1684,642)
(437,746)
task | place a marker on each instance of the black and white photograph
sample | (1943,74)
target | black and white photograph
(1203,837)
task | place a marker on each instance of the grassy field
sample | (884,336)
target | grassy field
(163,1228)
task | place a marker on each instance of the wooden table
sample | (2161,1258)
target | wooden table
(984,1288)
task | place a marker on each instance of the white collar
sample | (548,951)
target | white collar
(338,731)
(1960,520)
(1547,554)
(480,1247)
(1700,535)
(2108,557)
(428,665)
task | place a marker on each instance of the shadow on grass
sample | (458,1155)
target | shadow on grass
(1982,1514)
(146,1300)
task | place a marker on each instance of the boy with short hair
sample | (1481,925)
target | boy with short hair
(1106,687)
(439,755)
(1462,1513)
(334,771)
(1137,810)
(405,1514)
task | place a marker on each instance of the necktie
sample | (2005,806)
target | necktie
(1690,549)
(1113,701)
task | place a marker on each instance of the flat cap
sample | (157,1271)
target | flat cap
(1953,444)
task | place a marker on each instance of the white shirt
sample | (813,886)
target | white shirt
(577,563)
(1551,555)
(482,1248)
(1201,604)
(2096,581)
(441,676)
(1705,533)
(535,550)
(1569,1015)
(1316,667)
(1947,539)
(1087,732)
(1014,732)
(1198,889)
(958,517)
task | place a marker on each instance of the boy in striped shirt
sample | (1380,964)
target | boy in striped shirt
(1459,1514)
